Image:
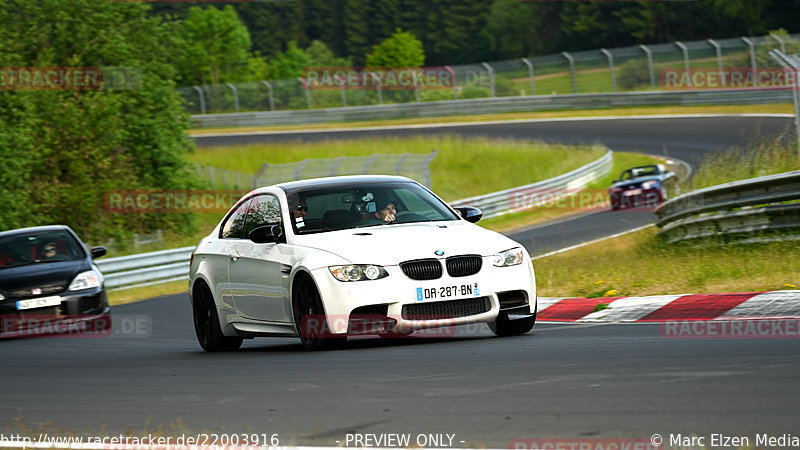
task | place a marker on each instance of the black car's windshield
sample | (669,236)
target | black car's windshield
(38,247)
(644,171)
(364,205)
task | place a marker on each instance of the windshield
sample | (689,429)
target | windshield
(39,247)
(645,171)
(364,205)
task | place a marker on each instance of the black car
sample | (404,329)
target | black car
(49,284)
(644,186)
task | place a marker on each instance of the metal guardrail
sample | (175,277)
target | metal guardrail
(523,197)
(147,269)
(738,210)
(491,105)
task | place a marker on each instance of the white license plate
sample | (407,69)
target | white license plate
(39,302)
(448,292)
(633,192)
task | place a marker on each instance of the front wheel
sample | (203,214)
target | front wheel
(502,326)
(206,324)
(310,320)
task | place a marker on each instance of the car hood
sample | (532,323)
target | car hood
(635,181)
(41,274)
(391,244)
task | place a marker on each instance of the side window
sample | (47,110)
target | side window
(232,228)
(264,210)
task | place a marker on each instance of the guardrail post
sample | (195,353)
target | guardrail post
(571,71)
(788,62)
(685,60)
(780,41)
(530,75)
(752,56)
(377,87)
(719,60)
(455,85)
(491,77)
(308,93)
(649,64)
(269,91)
(611,67)
(235,96)
(202,99)
(428,160)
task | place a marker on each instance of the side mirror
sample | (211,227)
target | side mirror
(266,234)
(98,252)
(469,213)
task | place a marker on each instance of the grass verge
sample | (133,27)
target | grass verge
(642,264)
(464,167)
(638,111)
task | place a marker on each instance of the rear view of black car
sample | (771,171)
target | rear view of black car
(49,284)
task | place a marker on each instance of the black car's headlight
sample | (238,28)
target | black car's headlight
(2,297)
(511,257)
(650,184)
(358,272)
(85,280)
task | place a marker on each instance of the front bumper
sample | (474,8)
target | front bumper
(82,312)
(407,309)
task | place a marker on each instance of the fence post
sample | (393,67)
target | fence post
(399,166)
(611,67)
(414,76)
(341,88)
(491,78)
(530,75)
(235,96)
(269,90)
(308,93)
(202,99)
(649,64)
(788,62)
(719,60)
(685,60)
(780,41)
(300,167)
(369,162)
(571,71)
(752,55)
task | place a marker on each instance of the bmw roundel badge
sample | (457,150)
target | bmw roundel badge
(438,253)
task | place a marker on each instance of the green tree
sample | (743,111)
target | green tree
(289,64)
(217,46)
(63,150)
(402,49)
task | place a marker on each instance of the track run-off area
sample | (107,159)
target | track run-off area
(562,380)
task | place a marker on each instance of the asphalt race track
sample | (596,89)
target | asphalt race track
(624,381)
(561,380)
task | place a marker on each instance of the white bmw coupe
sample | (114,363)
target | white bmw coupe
(328,258)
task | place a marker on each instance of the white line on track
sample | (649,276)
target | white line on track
(572,247)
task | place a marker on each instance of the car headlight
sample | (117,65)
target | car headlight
(2,297)
(650,184)
(358,272)
(508,258)
(85,280)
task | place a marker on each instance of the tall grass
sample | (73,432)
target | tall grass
(762,157)
(463,167)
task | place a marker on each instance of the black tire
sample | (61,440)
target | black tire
(307,304)
(206,324)
(504,327)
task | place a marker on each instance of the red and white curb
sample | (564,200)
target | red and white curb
(659,308)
